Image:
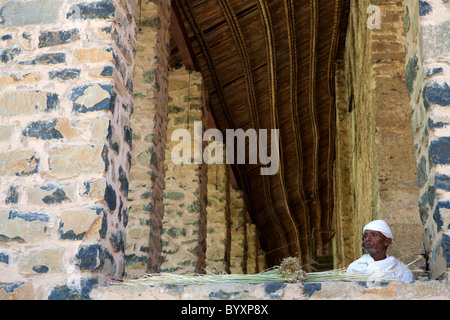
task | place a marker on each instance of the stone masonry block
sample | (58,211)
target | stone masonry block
(48,58)
(50,194)
(436,94)
(76,223)
(27,102)
(18,163)
(93,55)
(55,38)
(439,152)
(72,160)
(44,130)
(92,97)
(23,227)
(65,74)
(40,261)
(92,10)
(22,13)
(9,54)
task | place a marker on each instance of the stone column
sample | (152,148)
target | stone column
(426,25)
(149,122)
(216,238)
(181,226)
(238,232)
(65,95)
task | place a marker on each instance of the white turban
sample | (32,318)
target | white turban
(381,226)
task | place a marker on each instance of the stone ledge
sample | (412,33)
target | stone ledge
(278,291)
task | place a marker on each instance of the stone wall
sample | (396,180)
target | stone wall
(375,166)
(66,82)
(426,25)
(233,292)
(181,235)
(149,122)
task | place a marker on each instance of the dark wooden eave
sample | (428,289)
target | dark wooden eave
(270,64)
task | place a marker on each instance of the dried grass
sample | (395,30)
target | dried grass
(288,271)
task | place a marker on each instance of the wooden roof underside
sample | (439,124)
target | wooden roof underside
(270,64)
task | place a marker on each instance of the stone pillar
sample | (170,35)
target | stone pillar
(182,239)
(238,232)
(426,25)
(149,122)
(216,238)
(65,95)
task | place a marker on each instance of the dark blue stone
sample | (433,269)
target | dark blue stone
(436,94)
(424,8)
(433,125)
(4,258)
(132,259)
(105,104)
(102,232)
(442,182)
(9,54)
(411,73)
(222,295)
(66,74)
(40,269)
(58,196)
(271,288)
(434,71)
(128,135)
(7,37)
(310,288)
(49,58)
(52,101)
(105,153)
(29,216)
(69,235)
(44,130)
(12,287)
(87,257)
(439,152)
(445,243)
(114,144)
(423,211)
(54,38)
(422,172)
(107,71)
(73,292)
(123,179)
(92,10)
(117,241)
(12,196)
(437,217)
(110,197)
(25,173)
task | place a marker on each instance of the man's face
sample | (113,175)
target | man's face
(376,244)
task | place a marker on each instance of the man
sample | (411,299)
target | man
(376,263)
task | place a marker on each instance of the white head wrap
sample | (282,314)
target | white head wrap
(381,226)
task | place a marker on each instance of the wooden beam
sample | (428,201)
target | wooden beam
(180,36)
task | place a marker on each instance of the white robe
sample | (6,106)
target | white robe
(388,268)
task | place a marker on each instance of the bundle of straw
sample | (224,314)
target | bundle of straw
(288,271)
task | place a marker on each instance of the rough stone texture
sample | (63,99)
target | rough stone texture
(149,122)
(428,76)
(182,212)
(375,174)
(216,235)
(420,290)
(238,232)
(65,96)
